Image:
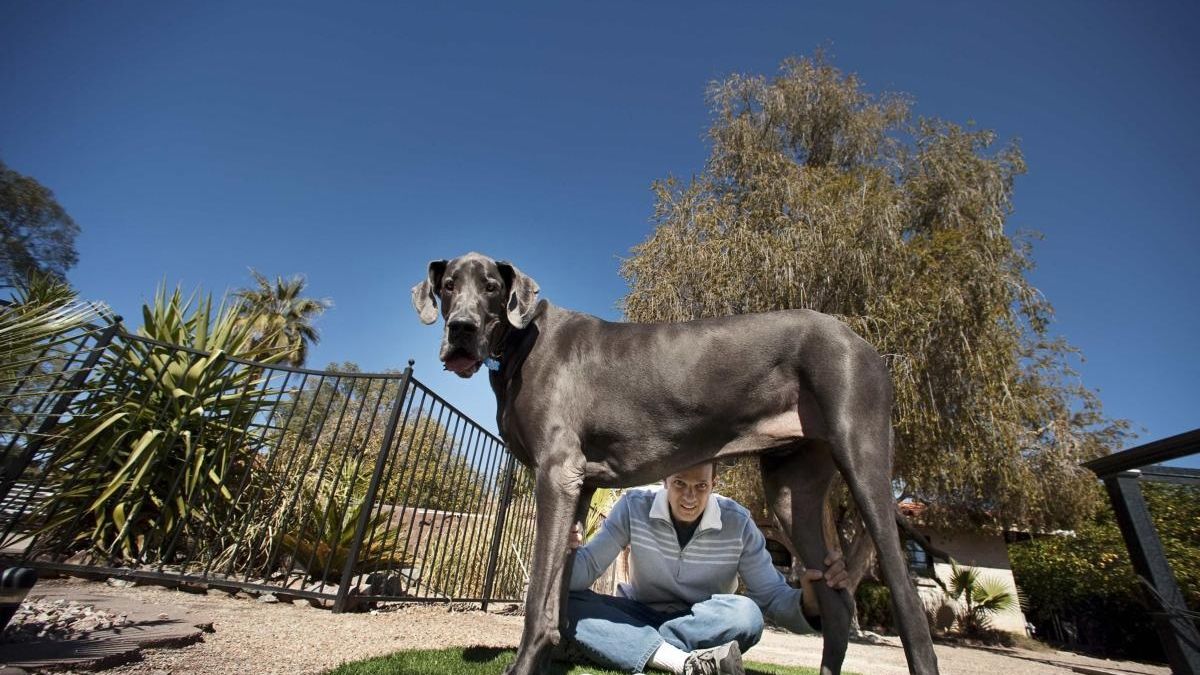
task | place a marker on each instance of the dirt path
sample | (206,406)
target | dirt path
(255,638)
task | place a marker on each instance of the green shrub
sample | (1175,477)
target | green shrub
(874,602)
(1076,584)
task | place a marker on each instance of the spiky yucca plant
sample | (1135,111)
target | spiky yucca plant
(319,541)
(321,544)
(146,460)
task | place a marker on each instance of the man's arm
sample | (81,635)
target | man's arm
(798,610)
(767,587)
(592,558)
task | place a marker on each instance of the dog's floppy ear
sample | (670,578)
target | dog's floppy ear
(424,294)
(522,295)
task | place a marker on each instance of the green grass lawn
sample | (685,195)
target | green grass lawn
(491,661)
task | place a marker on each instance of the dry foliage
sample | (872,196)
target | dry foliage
(820,195)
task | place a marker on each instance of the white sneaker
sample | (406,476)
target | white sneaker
(723,660)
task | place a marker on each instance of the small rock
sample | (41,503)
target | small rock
(268,598)
(121,583)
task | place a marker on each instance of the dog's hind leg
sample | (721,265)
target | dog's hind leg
(796,484)
(869,481)
(558,495)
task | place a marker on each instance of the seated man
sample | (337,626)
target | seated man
(678,613)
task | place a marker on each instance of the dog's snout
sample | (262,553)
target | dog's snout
(462,329)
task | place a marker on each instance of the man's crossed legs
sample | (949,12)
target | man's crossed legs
(625,634)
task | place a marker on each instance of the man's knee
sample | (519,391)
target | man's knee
(580,603)
(743,615)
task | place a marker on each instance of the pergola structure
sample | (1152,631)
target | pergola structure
(1122,472)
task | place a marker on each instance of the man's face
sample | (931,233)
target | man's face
(687,492)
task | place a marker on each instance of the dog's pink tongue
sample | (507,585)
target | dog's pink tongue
(460,363)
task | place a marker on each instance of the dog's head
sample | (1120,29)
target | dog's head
(481,299)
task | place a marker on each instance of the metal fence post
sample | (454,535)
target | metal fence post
(12,471)
(343,593)
(1178,634)
(489,577)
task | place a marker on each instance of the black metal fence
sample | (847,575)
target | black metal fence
(129,457)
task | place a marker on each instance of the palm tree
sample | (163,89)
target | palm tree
(41,317)
(281,319)
(983,596)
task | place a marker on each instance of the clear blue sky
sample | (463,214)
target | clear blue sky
(354,142)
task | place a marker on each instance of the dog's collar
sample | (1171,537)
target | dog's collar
(492,362)
(514,348)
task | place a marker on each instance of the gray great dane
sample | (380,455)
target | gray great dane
(588,403)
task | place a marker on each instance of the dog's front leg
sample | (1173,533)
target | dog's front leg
(557,494)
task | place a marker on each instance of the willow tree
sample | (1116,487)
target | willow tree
(819,194)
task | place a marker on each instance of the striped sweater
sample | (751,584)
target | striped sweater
(727,543)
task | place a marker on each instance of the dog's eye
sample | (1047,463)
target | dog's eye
(448,286)
(491,287)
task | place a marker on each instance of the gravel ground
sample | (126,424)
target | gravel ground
(256,638)
(58,620)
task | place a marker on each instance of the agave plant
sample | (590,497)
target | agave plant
(146,460)
(982,597)
(321,540)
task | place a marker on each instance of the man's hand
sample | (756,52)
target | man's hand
(835,577)
(575,539)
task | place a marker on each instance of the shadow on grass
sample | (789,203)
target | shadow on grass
(503,657)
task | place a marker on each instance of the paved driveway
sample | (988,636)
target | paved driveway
(887,658)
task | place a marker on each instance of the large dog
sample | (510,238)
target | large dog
(588,403)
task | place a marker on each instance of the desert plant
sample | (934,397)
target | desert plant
(458,567)
(321,544)
(144,463)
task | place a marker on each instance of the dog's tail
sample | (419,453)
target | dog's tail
(913,533)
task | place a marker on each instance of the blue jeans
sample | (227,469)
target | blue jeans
(623,634)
